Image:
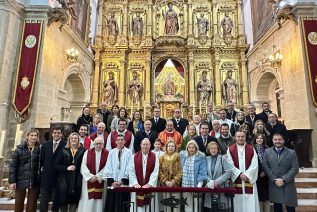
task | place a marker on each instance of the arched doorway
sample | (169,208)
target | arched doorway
(269,90)
(73,98)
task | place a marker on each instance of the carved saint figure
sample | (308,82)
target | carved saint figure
(109,89)
(113,28)
(202,25)
(227,25)
(135,89)
(169,86)
(171,21)
(137,25)
(229,88)
(204,88)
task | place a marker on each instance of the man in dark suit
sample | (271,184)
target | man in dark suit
(265,113)
(49,152)
(281,166)
(273,126)
(104,112)
(158,123)
(231,113)
(252,117)
(203,139)
(180,123)
(146,133)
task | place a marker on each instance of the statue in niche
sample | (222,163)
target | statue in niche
(229,88)
(171,21)
(109,89)
(227,25)
(113,28)
(135,89)
(202,24)
(169,86)
(137,25)
(204,88)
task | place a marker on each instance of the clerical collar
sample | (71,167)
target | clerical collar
(121,131)
(241,146)
(99,133)
(169,132)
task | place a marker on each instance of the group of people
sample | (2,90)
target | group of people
(225,149)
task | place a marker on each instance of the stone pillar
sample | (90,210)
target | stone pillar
(125,20)
(100,18)
(147,89)
(239,18)
(122,83)
(96,81)
(149,22)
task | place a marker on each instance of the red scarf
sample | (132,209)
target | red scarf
(142,198)
(213,133)
(87,142)
(95,189)
(127,138)
(249,152)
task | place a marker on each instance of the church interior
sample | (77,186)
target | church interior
(58,56)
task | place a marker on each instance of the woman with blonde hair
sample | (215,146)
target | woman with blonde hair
(68,165)
(194,169)
(218,177)
(170,173)
(24,172)
(259,127)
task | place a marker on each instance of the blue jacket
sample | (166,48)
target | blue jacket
(200,166)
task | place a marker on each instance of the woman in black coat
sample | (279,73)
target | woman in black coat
(69,180)
(136,124)
(24,172)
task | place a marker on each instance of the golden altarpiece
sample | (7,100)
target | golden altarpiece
(203,39)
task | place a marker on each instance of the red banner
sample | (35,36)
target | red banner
(27,65)
(310,38)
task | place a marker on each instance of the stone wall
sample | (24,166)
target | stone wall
(297,109)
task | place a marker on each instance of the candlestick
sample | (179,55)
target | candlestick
(3,134)
(199,107)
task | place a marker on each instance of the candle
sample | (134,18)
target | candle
(199,107)
(144,111)
(194,109)
(131,111)
(3,134)
(206,105)
(17,133)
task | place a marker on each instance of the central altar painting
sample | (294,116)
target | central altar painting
(169,54)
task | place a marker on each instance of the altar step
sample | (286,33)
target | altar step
(306,184)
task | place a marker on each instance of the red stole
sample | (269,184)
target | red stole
(142,198)
(94,135)
(127,138)
(249,152)
(87,142)
(95,189)
(213,133)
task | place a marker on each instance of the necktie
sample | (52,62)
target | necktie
(54,146)
(279,151)
(205,141)
(156,120)
(252,117)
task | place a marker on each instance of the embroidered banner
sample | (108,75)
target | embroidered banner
(310,41)
(27,65)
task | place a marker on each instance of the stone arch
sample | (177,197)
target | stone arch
(74,92)
(266,85)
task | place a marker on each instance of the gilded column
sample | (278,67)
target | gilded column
(147,83)
(149,23)
(125,21)
(122,83)
(191,79)
(218,82)
(239,17)
(100,18)
(190,19)
(96,82)
(244,78)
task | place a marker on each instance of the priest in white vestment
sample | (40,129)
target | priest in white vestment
(93,191)
(243,163)
(116,174)
(143,173)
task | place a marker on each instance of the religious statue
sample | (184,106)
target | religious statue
(169,86)
(204,88)
(202,24)
(135,89)
(137,25)
(109,89)
(171,21)
(113,28)
(229,88)
(227,25)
